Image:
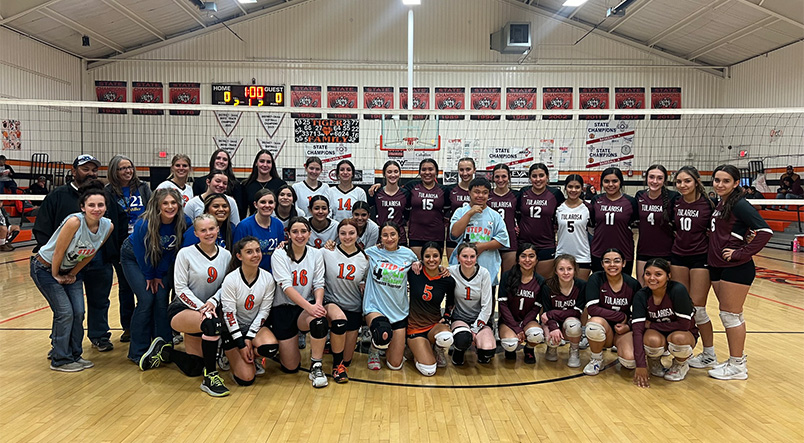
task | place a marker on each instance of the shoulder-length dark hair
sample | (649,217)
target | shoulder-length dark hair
(255,171)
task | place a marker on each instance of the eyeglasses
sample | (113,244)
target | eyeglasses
(609,261)
(127,168)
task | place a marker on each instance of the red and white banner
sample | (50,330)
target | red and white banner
(521,98)
(665,98)
(305,97)
(330,154)
(610,143)
(147,92)
(629,98)
(377,97)
(485,98)
(421,100)
(111,91)
(593,98)
(342,97)
(557,99)
(450,98)
(182,93)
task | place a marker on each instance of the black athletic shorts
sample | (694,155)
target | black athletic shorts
(283,321)
(585,265)
(354,320)
(546,254)
(597,265)
(420,243)
(420,333)
(741,274)
(452,244)
(177,306)
(697,261)
(641,257)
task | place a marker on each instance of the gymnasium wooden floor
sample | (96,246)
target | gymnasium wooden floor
(114,401)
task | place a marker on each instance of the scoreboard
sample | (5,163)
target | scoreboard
(248,95)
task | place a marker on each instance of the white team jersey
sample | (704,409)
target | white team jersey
(573,238)
(343,277)
(319,238)
(473,300)
(299,213)
(245,307)
(306,274)
(186,193)
(195,207)
(197,277)
(370,236)
(304,193)
(341,203)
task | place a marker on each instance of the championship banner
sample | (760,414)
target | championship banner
(629,98)
(374,97)
(275,146)
(610,143)
(450,98)
(342,97)
(515,157)
(111,91)
(665,98)
(485,98)
(521,98)
(230,145)
(557,99)
(270,121)
(228,120)
(421,100)
(305,97)
(547,155)
(308,130)
(184,94)
(362,176)
(147,92)
(593,98)
(330,154)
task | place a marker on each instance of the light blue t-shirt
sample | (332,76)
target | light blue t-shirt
(483,227)
(387,282)
(269,238)
(83,244)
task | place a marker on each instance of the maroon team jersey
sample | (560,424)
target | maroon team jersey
(691,222)
(731,234)
(613,225)
(655,234)
(391,207)
(673,313)
(505,205)
(521,307)
(537,216)
(427,208)
(426,295)
(457,197)
(603,301)
(560,307)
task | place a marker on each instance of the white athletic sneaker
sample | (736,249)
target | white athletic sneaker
(551,354)
(259,369)
(593,367)
(733,369)
(655,367)
(613,349)
(223,362)
(317,376)
(702,360)
(574,360)
(584,343)
(441,358)
(85,363)
(677,371)
(374,360)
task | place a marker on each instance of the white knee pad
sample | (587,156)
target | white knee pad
(731,320)
(595,331)
(701,318)
(534,336)
(427,370)
(679,351)
(653,352)
(572,327)
(627,364)
(509,344)
(395,368)
(444,339)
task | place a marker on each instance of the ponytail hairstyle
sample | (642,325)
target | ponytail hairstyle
(395,227)
(541,166)
(226,226)
(173,161)
(515,274)
(289,243)
(353,223)
(313,159)
(736,194)
(390,163)
(228,171)
(293,212)
(471,246)
(235,263)
(262,193)
(360,204)
(319,197)
(432,245)
(431,161)
(504,167)
(665,195)
(88,189)
(552,282)
(338,170)
(699,187)
(662,264)
(153,241)
(574,178)
(213,173)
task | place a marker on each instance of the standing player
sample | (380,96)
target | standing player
(298,305)
(263,226)
(692,218)
(263,175)
(323,227)
(368,233)
(573,218)
(503,200)
(311,186)
(221,161)
(731,264)
(345,194)
(217,183)
(218,206)
(390,200)
(613,212)
(522,292)
(180,167)
(609,295)
(538,204)
(563,308)
(346,268)
(286,205)
(655,206)
(428,203)
(459,193)
(471,314)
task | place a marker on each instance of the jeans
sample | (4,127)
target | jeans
(11,185)
(150,319)
(97,277)
(67,304)
(125,296)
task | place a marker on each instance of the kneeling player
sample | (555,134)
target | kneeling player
(563,307)
(521,293)
(473,307)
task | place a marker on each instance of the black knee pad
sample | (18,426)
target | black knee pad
(318,327)
(380,326)
(211,326)
(462,339)
(268,351)
(485,355)
(338,327)
(241,382)
(289,371)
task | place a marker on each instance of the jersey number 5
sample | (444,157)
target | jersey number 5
(427,295)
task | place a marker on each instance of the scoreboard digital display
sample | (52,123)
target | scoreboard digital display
(248,95)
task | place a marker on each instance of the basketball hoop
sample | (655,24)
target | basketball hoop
(411,143)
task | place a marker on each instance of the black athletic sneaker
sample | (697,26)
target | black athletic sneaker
(530,355)
(102,344)
(339,374)
(510,355)
(213,384)
(458,357)
(125,337)
(151,359)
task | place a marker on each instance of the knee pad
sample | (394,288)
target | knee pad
(211,326)
(319,328)
(509,344)
(653,352)
(680,351)
(462,337)
(627,364)
(534,336)
(241,382)
(338,327)
(427,370)
(595,331)
(572,327)
(380,326)
(731,320)
(268,351)
(444,339)
(395,368)
(700,316)
(485,355)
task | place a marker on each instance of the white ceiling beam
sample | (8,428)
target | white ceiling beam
(781,17)
(629,14)
(135,18)
(731,38)
(683,23)
(577,8)
(53,15)
(186,8)
(240,6)
(35,8)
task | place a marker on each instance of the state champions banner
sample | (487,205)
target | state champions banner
(377,97)
(305,97)
(330,154)
(558,99)
(593,98)
(147,92)
(610,143)
(421,100)
(521,98)
(665,98)
(485,98)
(629,98)
(450,98)
(342,97)
(111,91)
(184,93)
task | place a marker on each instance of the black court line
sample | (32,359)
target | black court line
(15,261)
(779,259)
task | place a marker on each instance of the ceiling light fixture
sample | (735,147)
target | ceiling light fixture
(573,3)
(246,1)
(411,2)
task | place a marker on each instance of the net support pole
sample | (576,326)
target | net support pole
(410,58)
